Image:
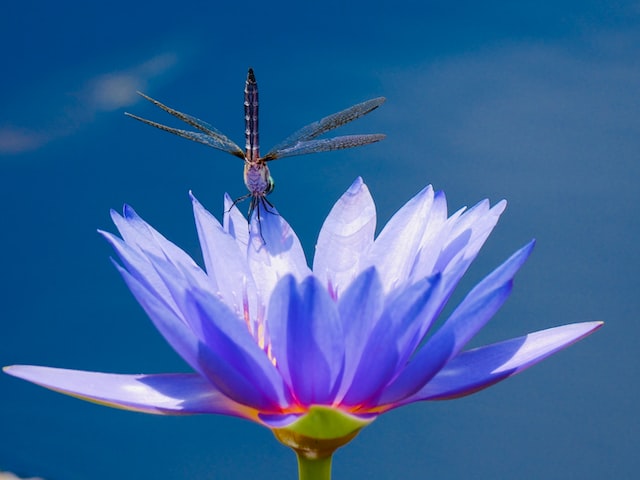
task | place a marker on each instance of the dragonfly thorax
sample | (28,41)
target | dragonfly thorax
(258,179)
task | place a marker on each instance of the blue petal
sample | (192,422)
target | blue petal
(482,367)
(235,224)
(230,356)
(165,394)
(360,307)
(453,245)
(140,268)
(306,339)
(394,251)
(471,315)
(278,255)
(226,264)
(392,340)
(139,234)
(345,235)
(173,328)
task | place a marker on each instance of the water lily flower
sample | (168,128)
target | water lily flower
(315,354)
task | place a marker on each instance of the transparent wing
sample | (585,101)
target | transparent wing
(210,136)
(315,129)
(325,145)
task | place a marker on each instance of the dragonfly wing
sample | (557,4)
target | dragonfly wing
(223,143)
(325,145)
(336,120)
(218,139)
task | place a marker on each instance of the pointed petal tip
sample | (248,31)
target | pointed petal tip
(529,246)
(22,371)
(194,201)
(592,326)
(522,254)
(500,206)
(128,211)
(356,186)
(115,215)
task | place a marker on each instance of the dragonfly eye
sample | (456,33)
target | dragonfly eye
(271,184)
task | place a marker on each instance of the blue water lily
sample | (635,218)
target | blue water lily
(315,352)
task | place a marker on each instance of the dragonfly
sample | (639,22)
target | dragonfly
(257,176)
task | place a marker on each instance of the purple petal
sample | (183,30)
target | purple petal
(347,232)
(166,394)
(392,340)
(140,235)
(435,235)
(474,226)
(174,329)
(468,318)
(394,251)
(230,357)
(306,339)
(360,307)
(235,224)
(452,245)
(278,255)
(482,367)
(226,264)
(140,267)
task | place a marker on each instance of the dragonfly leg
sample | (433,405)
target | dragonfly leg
(266,204)
(239,200)
(256,202)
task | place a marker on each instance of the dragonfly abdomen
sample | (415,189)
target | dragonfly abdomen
(251,118)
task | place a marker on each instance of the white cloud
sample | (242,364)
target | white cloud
(11,476)
(115,90)
(101,92)
(15,140)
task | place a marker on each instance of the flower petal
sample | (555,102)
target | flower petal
(140,235)
(173,328)
(230,356)
(142,270)
(306,339)
(468,234)
(226,264)
(166,394)
(448,244)
(467,319)
(360,307)
(394,251)
(212,340)
(345,235)
(227,354)
(482,367)
(274,251)
(393,339)
(234,223)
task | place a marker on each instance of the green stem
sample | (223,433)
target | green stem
(314,468)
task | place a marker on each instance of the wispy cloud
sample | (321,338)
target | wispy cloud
(97,92)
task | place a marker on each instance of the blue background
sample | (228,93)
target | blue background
(535,102)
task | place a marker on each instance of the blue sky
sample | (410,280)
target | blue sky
(538,103)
